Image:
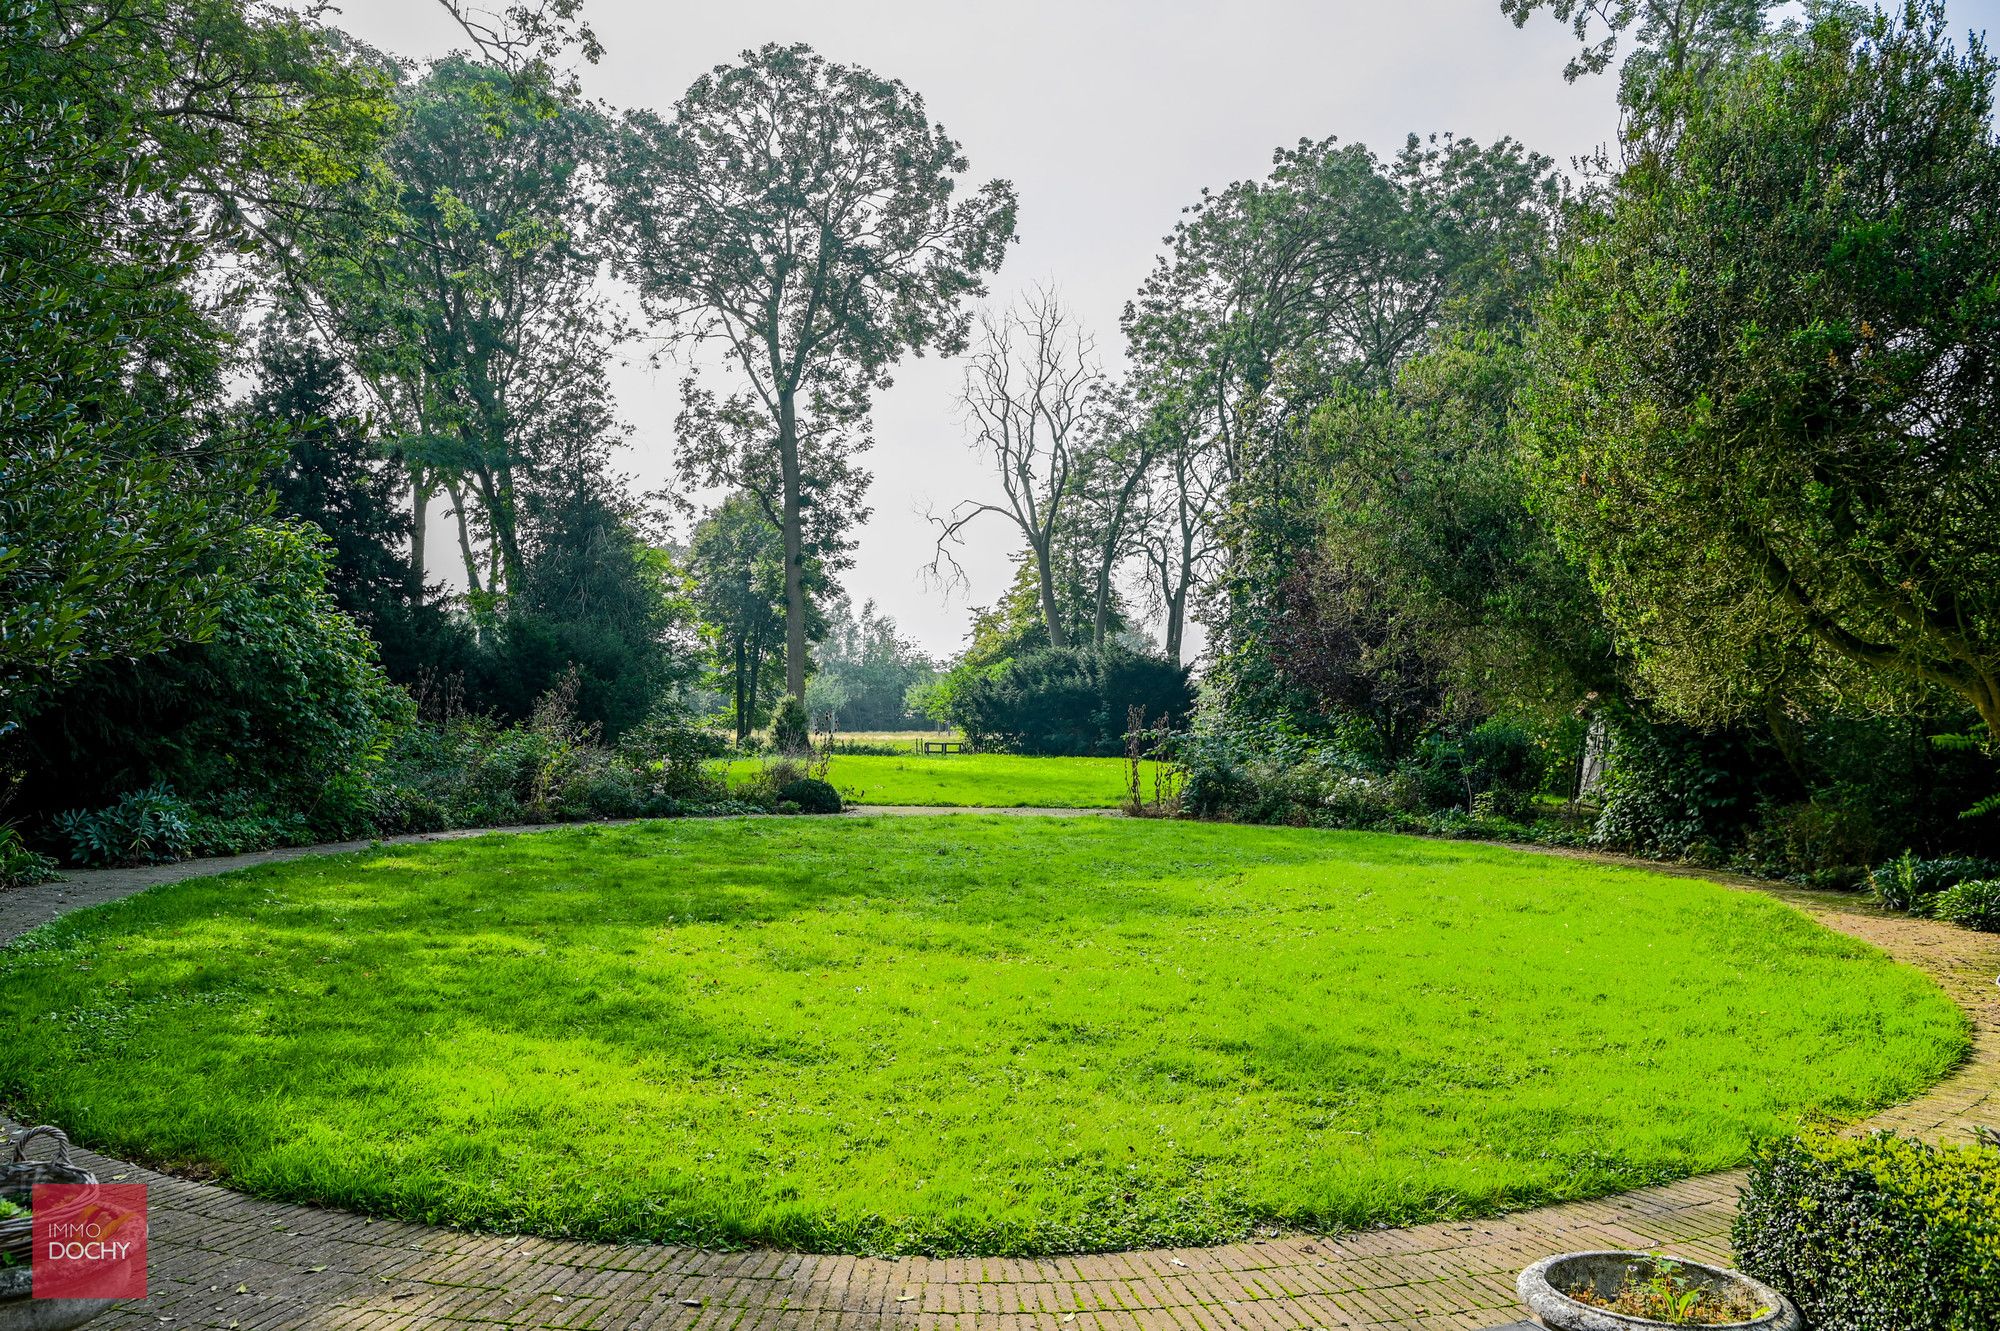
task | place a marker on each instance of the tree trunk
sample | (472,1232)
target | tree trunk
(498,500)
(1987,700)
(457,493)
(420,516)
(1114,536)
(742,719)
(795,572)
(1176,622)
(1051,617)
(1099,619)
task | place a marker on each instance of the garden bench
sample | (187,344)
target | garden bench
(942,746)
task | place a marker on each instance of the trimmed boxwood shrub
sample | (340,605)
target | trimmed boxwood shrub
(1976,905)
(1877,1233)
(1065,701)
(811,795)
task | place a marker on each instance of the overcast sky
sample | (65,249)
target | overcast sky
(1109,116)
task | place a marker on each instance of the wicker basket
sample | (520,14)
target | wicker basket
(17,1184)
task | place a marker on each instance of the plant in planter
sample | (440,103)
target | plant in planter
(1666,1294)
(19,1310)
(1622,1291)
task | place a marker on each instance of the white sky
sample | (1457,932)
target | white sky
(1109,116)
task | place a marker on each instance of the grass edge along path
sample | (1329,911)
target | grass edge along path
(1183,1202)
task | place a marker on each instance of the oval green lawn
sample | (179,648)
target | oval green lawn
(971,1034)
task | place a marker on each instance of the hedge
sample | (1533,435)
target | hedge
(1877,1233)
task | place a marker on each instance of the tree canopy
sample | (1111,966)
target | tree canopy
(804,215)
(1765,388)
(148,141)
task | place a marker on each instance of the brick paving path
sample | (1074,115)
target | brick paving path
(225,1261)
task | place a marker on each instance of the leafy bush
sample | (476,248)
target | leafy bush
(1880,1233)
(20,866)
(1825,841)
(1974,904)
(277,710)
(157,826)
(1673,792)
(677,757)
(1063,701)
(1495,769)
(1320,787)
(472,771)
(144,827)
(862,748)
(810,795)
(1910,884)
(792,785)
(238,826)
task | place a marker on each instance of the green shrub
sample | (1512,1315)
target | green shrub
(773,776)
(470,771)
(1493,770)
(1066,702)
(676,756)
(1914,885)
(1825,841)
(238,825)
(810,795)
(20,866)
(150,826)
(158,826)
(1879,1233)
(1974,904)
(861,748)
(1674,792)
(281,703)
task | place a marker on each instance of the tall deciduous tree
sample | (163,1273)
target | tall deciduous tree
(1682,35)
(1768,383)
(1029,389)
(462,293)
(1329,273)
(1117,459)
(1424,495)
(144,139)
(802,214)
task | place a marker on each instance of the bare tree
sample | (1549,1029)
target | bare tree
(527,39)
(1030,387)
(1177,518)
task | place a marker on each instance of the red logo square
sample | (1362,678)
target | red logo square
(90,1241)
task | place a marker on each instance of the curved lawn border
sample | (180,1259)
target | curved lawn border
(1476,1085)
(300,1267)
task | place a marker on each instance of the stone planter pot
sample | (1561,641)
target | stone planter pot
(1543,1288)
(19,1309)
(21,1312)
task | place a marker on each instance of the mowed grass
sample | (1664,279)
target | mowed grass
(960,1035)
(979,780)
